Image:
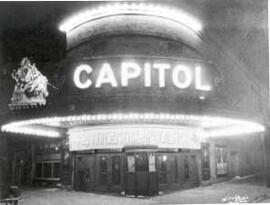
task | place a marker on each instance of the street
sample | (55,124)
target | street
(236,190)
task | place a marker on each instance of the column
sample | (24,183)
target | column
(266,147)
(212,150)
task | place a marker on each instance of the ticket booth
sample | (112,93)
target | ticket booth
(141,172)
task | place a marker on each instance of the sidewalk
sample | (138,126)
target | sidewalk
(247,190)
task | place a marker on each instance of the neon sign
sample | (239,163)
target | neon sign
(181,75)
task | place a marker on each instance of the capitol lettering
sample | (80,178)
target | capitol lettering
(180,75)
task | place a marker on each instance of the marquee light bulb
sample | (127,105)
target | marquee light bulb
(29,131)
(145,9)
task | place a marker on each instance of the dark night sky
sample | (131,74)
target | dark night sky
(31,28)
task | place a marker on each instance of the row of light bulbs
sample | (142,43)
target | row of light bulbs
(131,8)
(29,131)
(105,117)
(205,122)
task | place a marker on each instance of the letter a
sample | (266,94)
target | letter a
(106,75)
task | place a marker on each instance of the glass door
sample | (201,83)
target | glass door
(103,170)
(205,161)
(85,172)
(141,168)
(162,169)
(116,172)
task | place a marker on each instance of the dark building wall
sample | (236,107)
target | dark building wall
(4,167)
(132,45)
(252,155)
(245,155)
(25,156)
(20,153)
(235,94)
(237,34)
(135,97)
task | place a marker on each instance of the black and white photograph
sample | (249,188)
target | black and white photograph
(134,102)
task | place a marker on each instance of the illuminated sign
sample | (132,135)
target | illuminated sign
(181,75)
(112,137)
(133,9)
(31,86)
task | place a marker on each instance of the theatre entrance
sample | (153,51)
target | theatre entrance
(136,171)
(141,173)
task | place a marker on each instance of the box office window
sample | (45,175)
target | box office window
(141,162)
(48,170)
(131,163)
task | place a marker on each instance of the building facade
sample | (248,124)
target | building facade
(141,108)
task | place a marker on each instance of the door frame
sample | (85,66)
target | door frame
(109,186)
(152,177)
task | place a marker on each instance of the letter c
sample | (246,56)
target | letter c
(77,74)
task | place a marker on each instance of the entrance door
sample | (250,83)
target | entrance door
(162,166)
(109,175)
(141,168)
(141,173)
(21,168)
(85,172)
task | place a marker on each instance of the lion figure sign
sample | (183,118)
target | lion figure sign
(31,86)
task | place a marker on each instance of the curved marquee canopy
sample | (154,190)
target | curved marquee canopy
(211,125)
(131,9)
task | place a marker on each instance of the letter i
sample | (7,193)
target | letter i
(147,75)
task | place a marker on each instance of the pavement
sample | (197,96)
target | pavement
(240,190)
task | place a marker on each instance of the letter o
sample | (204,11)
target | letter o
(175,76)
